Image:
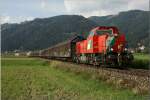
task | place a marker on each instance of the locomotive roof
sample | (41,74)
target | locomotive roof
(113,28)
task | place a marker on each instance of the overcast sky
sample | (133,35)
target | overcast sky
(15,11)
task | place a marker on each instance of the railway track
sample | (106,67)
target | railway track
(121,70)
(129,71)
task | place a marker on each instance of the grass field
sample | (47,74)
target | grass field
(141,61)
(139,56)
(36,79)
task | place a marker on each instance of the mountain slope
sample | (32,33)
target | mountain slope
(134,24)
(42,33)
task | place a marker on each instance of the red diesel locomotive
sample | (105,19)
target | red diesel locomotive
(103,46)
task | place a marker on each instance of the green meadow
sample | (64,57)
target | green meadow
(140,61)
(38,79)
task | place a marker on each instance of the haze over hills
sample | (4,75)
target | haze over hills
(45,32)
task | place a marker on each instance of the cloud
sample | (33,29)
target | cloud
(14,19)
(51,6)
(43,4)
(22,9)
(103,7)
(4,19)
(141,4)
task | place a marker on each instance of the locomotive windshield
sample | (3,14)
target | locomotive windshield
(91,33)
(100,32)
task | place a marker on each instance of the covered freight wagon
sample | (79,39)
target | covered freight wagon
(64,49)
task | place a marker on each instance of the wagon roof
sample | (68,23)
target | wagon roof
(73,39)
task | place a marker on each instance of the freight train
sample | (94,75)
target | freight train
(103,46)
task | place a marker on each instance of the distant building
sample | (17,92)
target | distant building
(16,51)
(17,54)
(142,48)
(28,53)
(6,52)
(131,50)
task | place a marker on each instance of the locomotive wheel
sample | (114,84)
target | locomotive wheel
(119,60)
(76,60)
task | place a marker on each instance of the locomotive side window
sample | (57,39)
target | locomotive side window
(100,32)
(91,33)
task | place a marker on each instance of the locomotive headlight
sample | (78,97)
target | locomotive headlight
(111,49)
(125,49)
